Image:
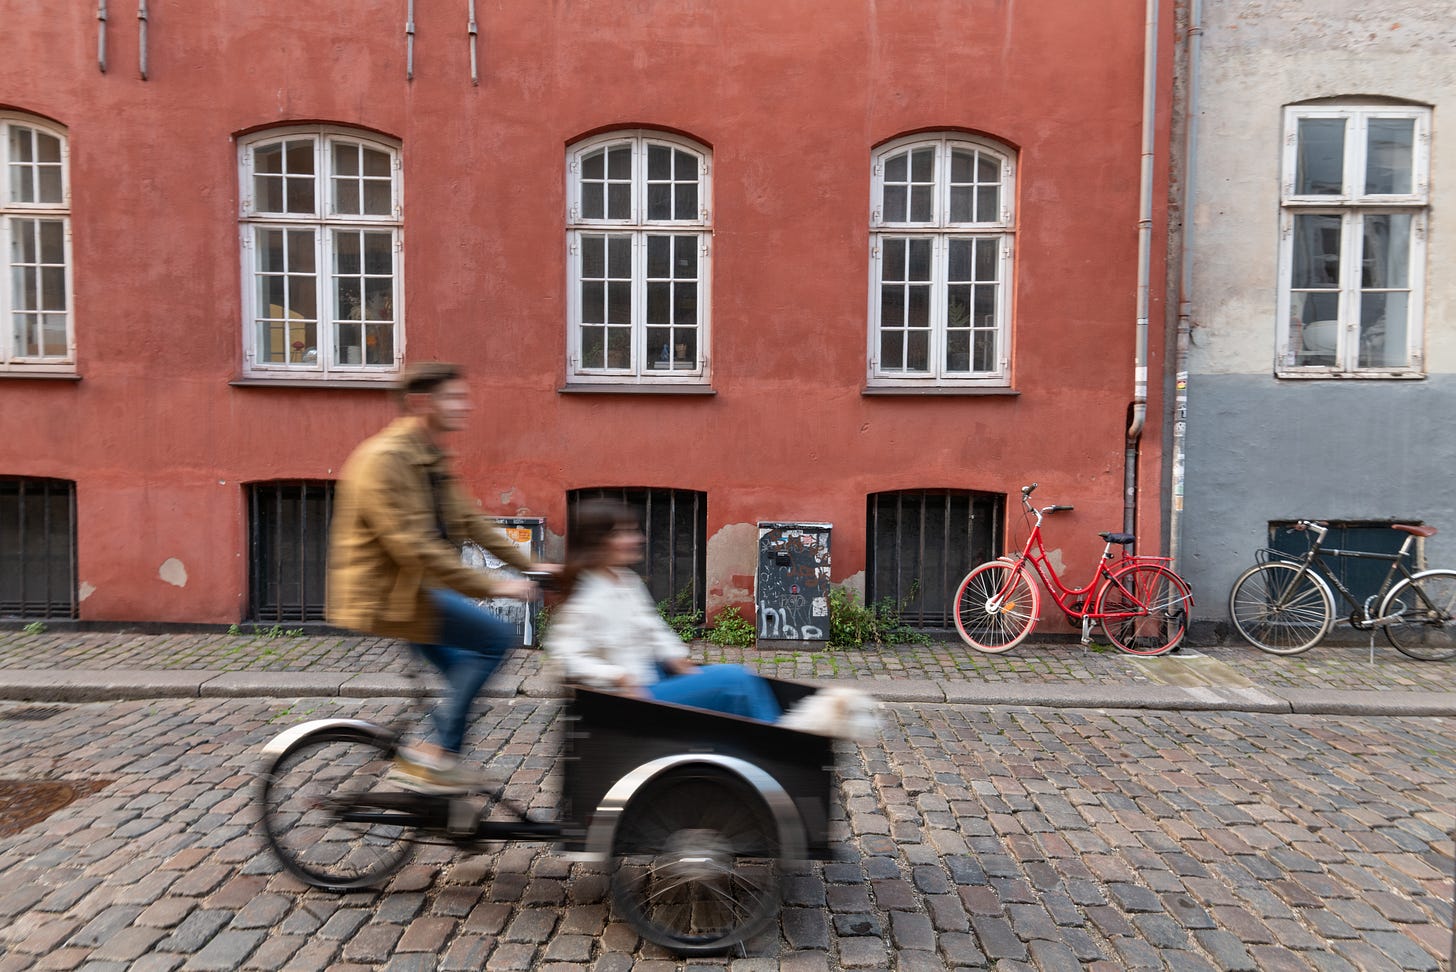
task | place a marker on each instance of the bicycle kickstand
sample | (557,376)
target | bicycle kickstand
(1086,633)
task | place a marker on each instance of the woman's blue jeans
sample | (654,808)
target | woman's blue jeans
(474,642)
(722,688)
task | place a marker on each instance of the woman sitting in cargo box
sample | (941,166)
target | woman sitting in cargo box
(608,635)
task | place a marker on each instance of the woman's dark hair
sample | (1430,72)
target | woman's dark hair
(586,539)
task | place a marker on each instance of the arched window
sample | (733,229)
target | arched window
(35,238)
(322,265)
(638,230)
(941,234)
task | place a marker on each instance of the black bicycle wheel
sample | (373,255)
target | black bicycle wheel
(327,814)
(1149,607)
(1281,608)
(1426,627)
(697,863)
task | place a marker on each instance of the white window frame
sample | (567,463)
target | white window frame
(643,368)
(1352,205)
(940,230)
(323,222)
(12,211)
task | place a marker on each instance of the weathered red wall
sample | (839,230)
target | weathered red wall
(791,96)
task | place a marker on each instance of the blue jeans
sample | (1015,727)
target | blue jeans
(721,688)
(474,643)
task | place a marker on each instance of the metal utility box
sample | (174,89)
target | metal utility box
(529,534)
(791,587)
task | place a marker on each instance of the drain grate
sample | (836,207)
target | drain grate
(24,803)
(32,713)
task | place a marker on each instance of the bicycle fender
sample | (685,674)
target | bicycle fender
(280,743)
(603,829)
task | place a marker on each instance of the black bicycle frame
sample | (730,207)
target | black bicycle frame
(1316,557)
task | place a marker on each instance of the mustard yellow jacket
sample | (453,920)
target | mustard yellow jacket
(385,547)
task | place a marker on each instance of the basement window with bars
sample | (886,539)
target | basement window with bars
(38,548)
(288,543)
(675,521)
(922,542)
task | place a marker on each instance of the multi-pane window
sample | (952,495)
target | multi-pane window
(1352,240)
(638,233)
(321,242)
(35,231)
(941,246)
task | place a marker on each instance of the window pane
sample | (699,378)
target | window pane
(379,253)
(268,194)
(685,166)
(989,169)
(1320,157)
(685,303)
(593,200)
(22,183)
(1386,259)
(346,196)
(378,344)
(299,159)
(619,347)
(988,253)
(959,266)
(983,305)
(893,264)
(1383,330)
(686,256)
(593,302)
(348,298)
(897,198)
(378,199)
(619,200)
(299,195)
(619,302)
(593,256)
(268,158)
(22,146)
(985,351)
(892,351)
(346,252)
(22,241)
(1316,250)
(917,350)
(918,310)
(53,288)
(346,159)
(988,204)
(376,163)
(619,162)
(958,351)
(50,184)
(593,166)
(958,306)
(659,256)
(658,303)
(659,162)
(619,257)
(962,165)
(922,165)
(897,167)
(659,200)
(921,204)
(52,241)
(961,199)
(685,200)
(919,259)
(593,347)
(378,299)
(1389,155)
(53,334)
(300,251)
(892,304)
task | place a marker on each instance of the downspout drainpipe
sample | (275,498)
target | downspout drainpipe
(1184,337)
(1139,410)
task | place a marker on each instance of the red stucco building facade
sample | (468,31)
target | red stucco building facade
(898,259)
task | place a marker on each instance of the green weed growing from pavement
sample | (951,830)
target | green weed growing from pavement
(731,629)
(35,628)
(678,612)
(234,630)
(853,624)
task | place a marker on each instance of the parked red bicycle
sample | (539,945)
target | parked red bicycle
(1141,603)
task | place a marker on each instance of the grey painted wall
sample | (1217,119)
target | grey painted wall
(1260,449)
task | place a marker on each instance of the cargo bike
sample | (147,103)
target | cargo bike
(697,812)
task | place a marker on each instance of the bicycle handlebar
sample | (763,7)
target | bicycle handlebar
(1319,528)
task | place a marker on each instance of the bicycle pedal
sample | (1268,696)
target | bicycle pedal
(463,819)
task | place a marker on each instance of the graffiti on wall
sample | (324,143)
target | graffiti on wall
(792,587)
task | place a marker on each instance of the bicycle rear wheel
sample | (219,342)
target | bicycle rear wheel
(327,813)
(1281,608)
(1145,609)
(996,607)
(1426,603)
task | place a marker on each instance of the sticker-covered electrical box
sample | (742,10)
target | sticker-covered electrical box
(791,589)
(529,534)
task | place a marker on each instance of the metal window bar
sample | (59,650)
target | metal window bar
(288,549)
(921,542)
(38,548)
(674,522)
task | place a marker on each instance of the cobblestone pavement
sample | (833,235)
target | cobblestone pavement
(971,837)
(1339,667)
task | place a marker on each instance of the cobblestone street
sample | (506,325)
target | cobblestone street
(971,837)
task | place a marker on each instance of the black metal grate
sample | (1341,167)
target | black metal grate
(922,542)
(676,523)
(38,548)
(288,545)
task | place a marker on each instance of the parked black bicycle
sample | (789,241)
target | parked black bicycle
(1284,604)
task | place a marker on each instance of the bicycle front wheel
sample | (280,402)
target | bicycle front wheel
(996,607)
(1281,608)
(1425,604)
(329,816)
(1144,609)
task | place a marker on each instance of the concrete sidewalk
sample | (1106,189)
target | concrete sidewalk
(64,666)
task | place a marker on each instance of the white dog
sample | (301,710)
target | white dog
(844,712)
